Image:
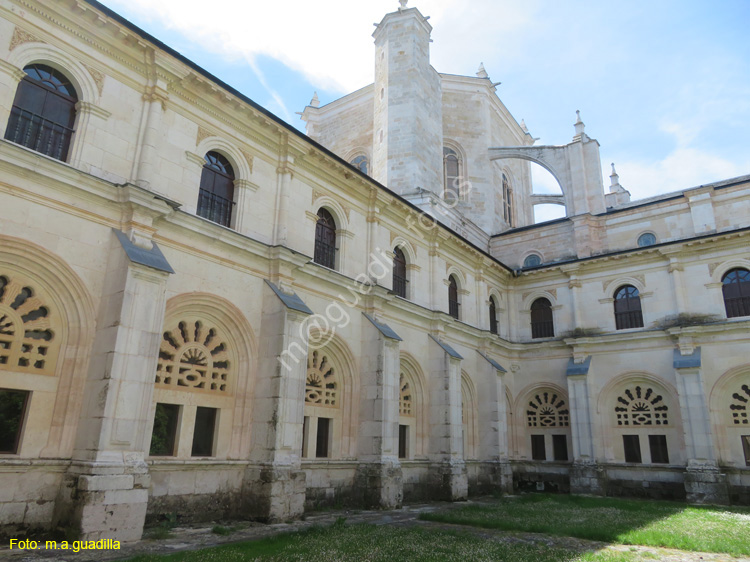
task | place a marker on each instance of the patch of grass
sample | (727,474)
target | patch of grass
(382,543)
(641,522)
(164,529)
(222,530)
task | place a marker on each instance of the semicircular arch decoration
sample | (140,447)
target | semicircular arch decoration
(28,342)
(547,408)
(405,397)
(641,405)
(195,356)
(739,405)
(321,384)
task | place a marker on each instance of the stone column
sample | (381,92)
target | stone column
(704,483)
(155,103)
(274,483)
(284,175)
(586,476)
(446,430)
(379,471)
(494,429)
(107,484)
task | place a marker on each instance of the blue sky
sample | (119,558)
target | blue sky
(663,85)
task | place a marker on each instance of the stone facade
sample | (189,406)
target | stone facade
(154,361)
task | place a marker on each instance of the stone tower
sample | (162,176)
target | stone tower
(407,125)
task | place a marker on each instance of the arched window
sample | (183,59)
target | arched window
(736,289)
(360,162)
(646,239)
(322,414)
(628,312)
(325,240)
(542,325)
(451,174)
(493,316)
(637,410)
(399,272)
(43,112)
(216,194)
(508,202)
(453,304)
(532,260)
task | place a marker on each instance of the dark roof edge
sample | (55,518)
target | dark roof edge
(147,36)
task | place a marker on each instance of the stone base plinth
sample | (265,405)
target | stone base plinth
(451,482)
(381,485)
(588,478)
(706,485)
(104,501)
(273,493)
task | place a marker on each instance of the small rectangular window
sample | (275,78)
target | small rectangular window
(746,448)
(632,445)
(321,444)
(305,426)
(560,447)
(164,433)
(203,435)
(658,446)
(403,437)
(13,405)
(537,448)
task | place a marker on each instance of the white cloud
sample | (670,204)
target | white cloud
(329,41)
(681,169)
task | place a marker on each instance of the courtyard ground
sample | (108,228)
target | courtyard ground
(534,528)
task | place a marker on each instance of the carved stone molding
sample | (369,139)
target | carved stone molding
(21,36)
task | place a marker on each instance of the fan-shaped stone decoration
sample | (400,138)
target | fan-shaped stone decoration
(405,403)
(641,407)
(193,357)
(739,404)
(547,409)
(321,387)
(28,340)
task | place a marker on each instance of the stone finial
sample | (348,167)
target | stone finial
(579,124)
(614,179)
(315,102)
(481,72)
(524,127)
(403,4)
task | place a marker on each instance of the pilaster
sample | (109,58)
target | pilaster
(274,484)
(379,473)
(704,483)
(446,434)
(494,434)
(107,484)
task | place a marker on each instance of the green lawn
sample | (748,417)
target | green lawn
(365,543)
(638,522)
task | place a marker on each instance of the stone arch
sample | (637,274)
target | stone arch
(469,417)
(43,53)
(335,208)
(538,294)
(729,404)
(551,158)
(460,278)
(725,267)
(242,167)
(67,296)
(541,409)
(419,437)
(643,405)
(407,247)
(208,358)
(615,284)
(345,414)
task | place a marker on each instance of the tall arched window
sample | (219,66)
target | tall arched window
(493,316)
(216,194)
(325,240)
(453,304)
(43,112)
(628,312)
(451,174)
(508,202)
(736,289)
(542,325)
(399,272)
(360,162)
